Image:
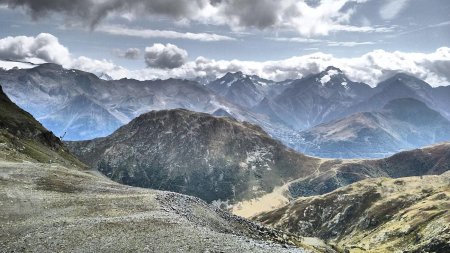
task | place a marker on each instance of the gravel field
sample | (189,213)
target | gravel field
(51,208)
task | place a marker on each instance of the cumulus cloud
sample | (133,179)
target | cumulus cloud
(166,56)
(309,18)
(46,48)
(150,33)
(130,53)
(42,48)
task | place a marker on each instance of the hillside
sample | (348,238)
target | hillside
(24,138)
(431,160)
(214,158)
(334,174)
(375,215)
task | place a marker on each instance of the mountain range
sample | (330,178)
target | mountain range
(78,105)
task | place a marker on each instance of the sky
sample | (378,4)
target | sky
(370,40)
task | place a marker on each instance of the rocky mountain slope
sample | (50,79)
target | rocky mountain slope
(375,215)
(58,205)
(315,99)
(402,124)
(246,90)
(214,158)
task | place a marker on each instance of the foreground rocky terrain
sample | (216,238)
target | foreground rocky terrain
(52,208)
(58,205)
(375,215)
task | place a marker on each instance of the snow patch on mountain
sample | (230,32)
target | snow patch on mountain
(327,77)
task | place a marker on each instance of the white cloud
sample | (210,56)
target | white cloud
(391,8)
(98,67)
(370,68)
(170,61)
(166,56)
(148,33)
(42,48)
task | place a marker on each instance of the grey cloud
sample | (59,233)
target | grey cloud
(252,13)
(310,18)
(130,53)
(165,56)
(91,11)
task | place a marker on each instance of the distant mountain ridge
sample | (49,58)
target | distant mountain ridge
(401,124)
(316,99)
(86,107)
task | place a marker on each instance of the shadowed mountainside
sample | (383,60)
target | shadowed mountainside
(214,158)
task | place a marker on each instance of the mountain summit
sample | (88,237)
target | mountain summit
(242,89)
(195,153)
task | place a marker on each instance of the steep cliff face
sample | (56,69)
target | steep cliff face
(376,215)
(214,158)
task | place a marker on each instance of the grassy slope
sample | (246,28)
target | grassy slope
(376,215)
